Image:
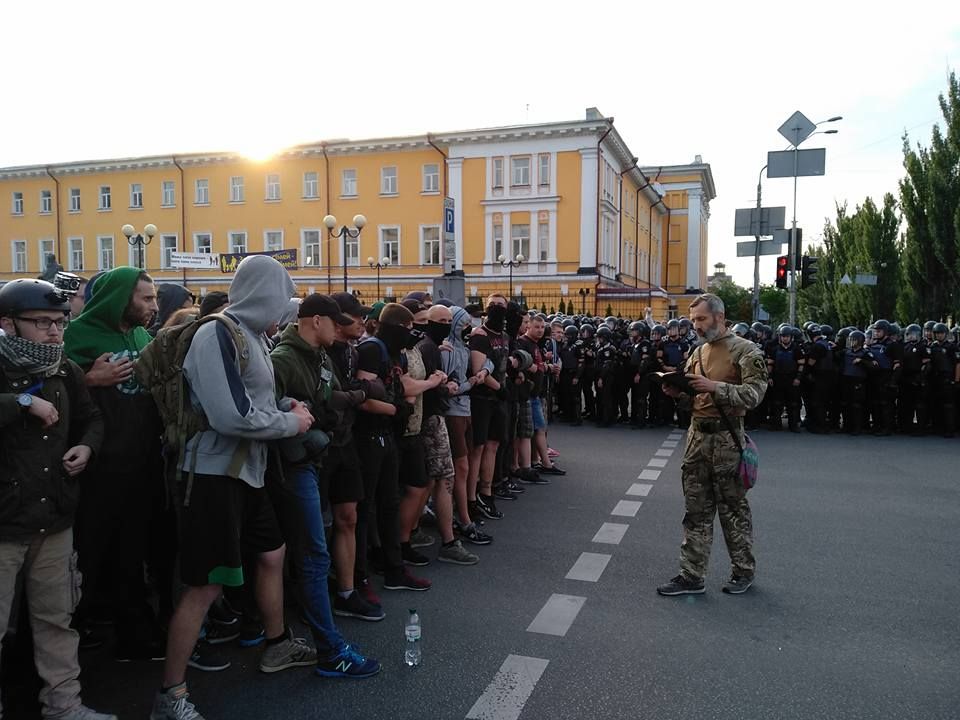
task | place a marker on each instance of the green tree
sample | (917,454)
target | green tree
(930,199)
(737,300)
(775,302)
(563,308)
(609,310)
(543,308)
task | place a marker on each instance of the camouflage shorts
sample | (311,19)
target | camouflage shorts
(437,444)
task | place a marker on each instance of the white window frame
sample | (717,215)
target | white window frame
(517,170)
(431,180)
(543,168)
(105,199)
(46,202)
(497,241)
(168,187)
(232,245)
(41,253)
(381,243)
(347,183)
(543,241)
(113,253)
(353,250)
(306,256)
(201,192)
(387,187)
(272,187)
(237,190)
(516,243)
(311,185)
(425,256)
(75,205)
(197,248)
(165,261)
(16,203)
(496,180)
(72,257)
(136,196)
(20,254)
(266,234)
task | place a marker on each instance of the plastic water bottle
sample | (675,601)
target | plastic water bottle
(412,630)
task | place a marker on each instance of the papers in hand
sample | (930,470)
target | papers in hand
(675,379)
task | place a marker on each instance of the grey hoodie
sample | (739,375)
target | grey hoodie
(457,363)
(239,406)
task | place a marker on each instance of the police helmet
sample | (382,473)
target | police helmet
(658,330)
(25,294)
(806,325)
(569,323)
(928,325)
(883,326)
(766,330)
(895,330)
(741,329)
(940,328)
(857,336)
(757,327)
(814,330)
(571,332)
(784,330)
(673,324)
(587,331)
(604,332)
(826,331)
(912,333)
(684,324)
(638,326)
(523,358)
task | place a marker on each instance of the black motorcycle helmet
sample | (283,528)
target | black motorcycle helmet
(21,295)
(912,333)
(571,332)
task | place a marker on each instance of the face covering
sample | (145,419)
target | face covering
(415,336)
(466,333)
(496,317)
(437,331)
(32,357)
(395,337)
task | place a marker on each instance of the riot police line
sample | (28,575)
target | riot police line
(884,379)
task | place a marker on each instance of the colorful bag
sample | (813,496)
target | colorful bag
(749,468)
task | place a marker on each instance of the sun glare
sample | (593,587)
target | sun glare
(258,151)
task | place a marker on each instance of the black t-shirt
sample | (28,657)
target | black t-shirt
(535,380)
(494,346)
(435,400)
(372,358)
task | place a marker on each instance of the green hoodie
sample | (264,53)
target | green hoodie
(97,329)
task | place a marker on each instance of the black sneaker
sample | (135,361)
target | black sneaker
(681,585)
(487,508)
(513,487)
(472,534)
(502,492)
(90,639)
(356,607)
(403,580)
(217,634)
(531,477)
(207,659)
(412,557)
(737,585)
(220,614)
(552,470)
(473,510)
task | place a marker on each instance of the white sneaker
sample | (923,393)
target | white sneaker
(82,712)
(174,706)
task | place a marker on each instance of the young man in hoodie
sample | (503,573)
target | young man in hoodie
(225,512)
(304,372)
(126,492)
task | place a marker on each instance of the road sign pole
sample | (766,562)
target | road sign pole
(793,247)
(756,255)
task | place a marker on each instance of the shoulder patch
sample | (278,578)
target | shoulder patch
(759,365)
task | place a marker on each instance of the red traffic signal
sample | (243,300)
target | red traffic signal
(782,272)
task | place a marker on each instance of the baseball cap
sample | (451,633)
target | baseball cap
(374,313)
(318,304)
(350,305)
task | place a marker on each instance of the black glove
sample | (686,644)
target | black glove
(404,413)
(357,397)
(373,389)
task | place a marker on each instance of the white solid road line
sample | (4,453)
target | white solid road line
(588,567)
(649,474)
(509,690)
(556,617)
(640,488)
(627,508)
(657,462)
(610,533)
(664,453)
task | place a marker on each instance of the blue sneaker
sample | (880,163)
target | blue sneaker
(348,664)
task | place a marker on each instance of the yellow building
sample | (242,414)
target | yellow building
(594,229)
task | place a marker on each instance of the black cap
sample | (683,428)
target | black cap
(350,305)
(318,304)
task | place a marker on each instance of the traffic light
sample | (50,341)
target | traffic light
(782,271)
(808,271)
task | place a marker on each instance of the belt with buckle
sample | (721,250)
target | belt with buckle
(708,425)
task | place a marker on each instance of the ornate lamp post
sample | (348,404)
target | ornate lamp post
(139,239)
(511,264)
(583,293)
(330,222)
(379,265)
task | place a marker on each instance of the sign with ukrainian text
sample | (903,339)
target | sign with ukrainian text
(287,258)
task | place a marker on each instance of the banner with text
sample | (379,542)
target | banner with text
(287,258)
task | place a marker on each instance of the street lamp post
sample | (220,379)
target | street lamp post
(384,262)
(583,293)
(511,264)
(330,222)
(139,239)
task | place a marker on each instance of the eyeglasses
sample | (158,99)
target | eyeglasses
(45,323)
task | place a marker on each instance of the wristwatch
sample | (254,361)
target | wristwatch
(24,400)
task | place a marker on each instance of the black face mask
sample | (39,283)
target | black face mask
(466,333)
(395,337)
(416,335)
(437,331)
(496,317)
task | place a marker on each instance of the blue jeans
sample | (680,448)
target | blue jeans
(296,499)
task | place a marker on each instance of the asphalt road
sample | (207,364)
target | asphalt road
(854,613)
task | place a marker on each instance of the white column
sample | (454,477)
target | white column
(589,160)
(693,237)
(455,188)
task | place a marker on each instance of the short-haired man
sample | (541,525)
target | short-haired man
(226,513)
(728,372)
(49,430)
(539,376)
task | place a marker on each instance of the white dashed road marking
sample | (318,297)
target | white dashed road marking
(556,617)
(669,443)
(588,567)
(509,690)
(640,488)
(657,462)
(664,453)
(627,508)
(610,533)
(649,475)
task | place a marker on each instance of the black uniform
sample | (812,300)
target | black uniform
(822,375)
(857,365)
(642,360)
(672,355)
(785,365)
(944,357)
(606,367)
(886,353)
(913,379)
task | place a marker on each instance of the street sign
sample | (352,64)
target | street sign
(797,128)
(783,236)
(845,280)
(748,222)
(866,279)
(810,163)
(194,261)
(748,248)
(449,238)
(287,258)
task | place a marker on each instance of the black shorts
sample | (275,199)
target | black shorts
(340,476)
(413,462)
(225,520)
(488,420)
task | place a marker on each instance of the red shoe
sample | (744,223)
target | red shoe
(403,580)
(366,592)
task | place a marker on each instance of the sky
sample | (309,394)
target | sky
(104,79)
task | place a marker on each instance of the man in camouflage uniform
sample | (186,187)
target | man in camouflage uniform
(728,371)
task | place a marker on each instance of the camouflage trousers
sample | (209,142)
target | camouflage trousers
(711,486)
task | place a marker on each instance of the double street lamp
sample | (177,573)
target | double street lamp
(330,222)
(583,293)
(139,239)
(379,265)
(516,262)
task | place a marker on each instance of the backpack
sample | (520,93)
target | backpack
(160,370)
